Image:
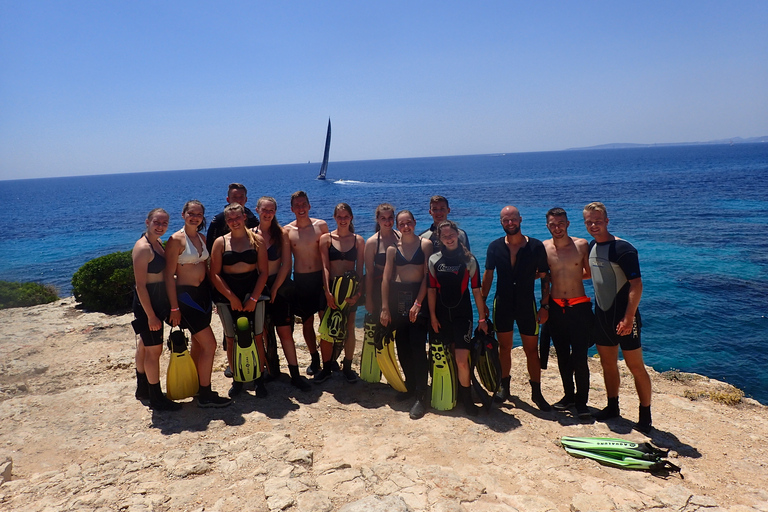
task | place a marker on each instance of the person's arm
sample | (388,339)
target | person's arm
(368,257)
(360,246)
(586,269)
(141,255)
(477,289)
(389,272)
(426,247)
(485,290)
(635,292)
(543,314)
(172,251)
(325,242)
(431,298)
(285,265)
(263,270)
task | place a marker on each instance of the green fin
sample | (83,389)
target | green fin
(387,359)
(247,366)
(369,367)
(444,381)
(614,447)
(344,287)
(623,462)
(485,355)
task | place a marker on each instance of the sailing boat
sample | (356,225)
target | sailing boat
(324,166)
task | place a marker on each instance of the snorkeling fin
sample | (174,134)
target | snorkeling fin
(387,359)
(444,380)
(369,367)
(545,340)
(181,380)
(485,355)
(246,357)
(344,287)
(614,447)
(333,326)
(619,453)
(273,358)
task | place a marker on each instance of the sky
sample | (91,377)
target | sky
(111,86)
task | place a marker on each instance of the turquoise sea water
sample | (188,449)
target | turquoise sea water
(698,216)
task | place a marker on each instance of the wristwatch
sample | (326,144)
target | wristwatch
(544,306)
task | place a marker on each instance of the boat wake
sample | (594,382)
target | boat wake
(349,182)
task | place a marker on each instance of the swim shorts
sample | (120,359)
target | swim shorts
(279,311)
(158,298)
(308,295)
(195,306)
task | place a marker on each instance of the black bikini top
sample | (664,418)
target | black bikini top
(273,253)
(416,259)
(334,254)
(157,265)
(251,256)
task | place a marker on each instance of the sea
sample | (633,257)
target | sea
(698,216)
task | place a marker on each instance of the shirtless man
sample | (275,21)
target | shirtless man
(520,260)
(309,298)
(618,287)
(570,310)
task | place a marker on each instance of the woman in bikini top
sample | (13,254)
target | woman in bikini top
(375,256)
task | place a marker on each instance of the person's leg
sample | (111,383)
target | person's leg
(531,349)
(609,357)
(634,360)
(349,349)
(202,351)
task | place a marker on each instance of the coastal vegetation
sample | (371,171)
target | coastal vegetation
(18,295)
(105,284)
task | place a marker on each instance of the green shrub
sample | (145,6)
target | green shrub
(19,295)
(105,283)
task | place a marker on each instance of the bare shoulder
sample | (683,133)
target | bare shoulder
(320,224)
(548,243)
(580,242)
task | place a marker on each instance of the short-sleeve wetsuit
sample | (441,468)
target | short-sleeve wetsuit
(514,300)
(614,264)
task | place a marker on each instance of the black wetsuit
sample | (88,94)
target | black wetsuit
(515,301)
(454,278)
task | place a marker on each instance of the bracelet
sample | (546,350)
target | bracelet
(417,303)
(254,300)
(481,321)
(173,310)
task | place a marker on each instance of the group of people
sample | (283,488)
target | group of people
(420,285)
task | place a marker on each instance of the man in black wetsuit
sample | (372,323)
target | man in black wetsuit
(439,210)
(618,287)
(520,260)
(236,193)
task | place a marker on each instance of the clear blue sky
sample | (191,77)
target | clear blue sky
(91,87)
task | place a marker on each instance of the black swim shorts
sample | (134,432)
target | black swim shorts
(308,295)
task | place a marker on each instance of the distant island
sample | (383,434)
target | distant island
(624,145)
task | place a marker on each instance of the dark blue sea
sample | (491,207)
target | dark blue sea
(698,216)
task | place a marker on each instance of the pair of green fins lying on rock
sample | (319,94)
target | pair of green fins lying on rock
(619,453)
(380,358)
